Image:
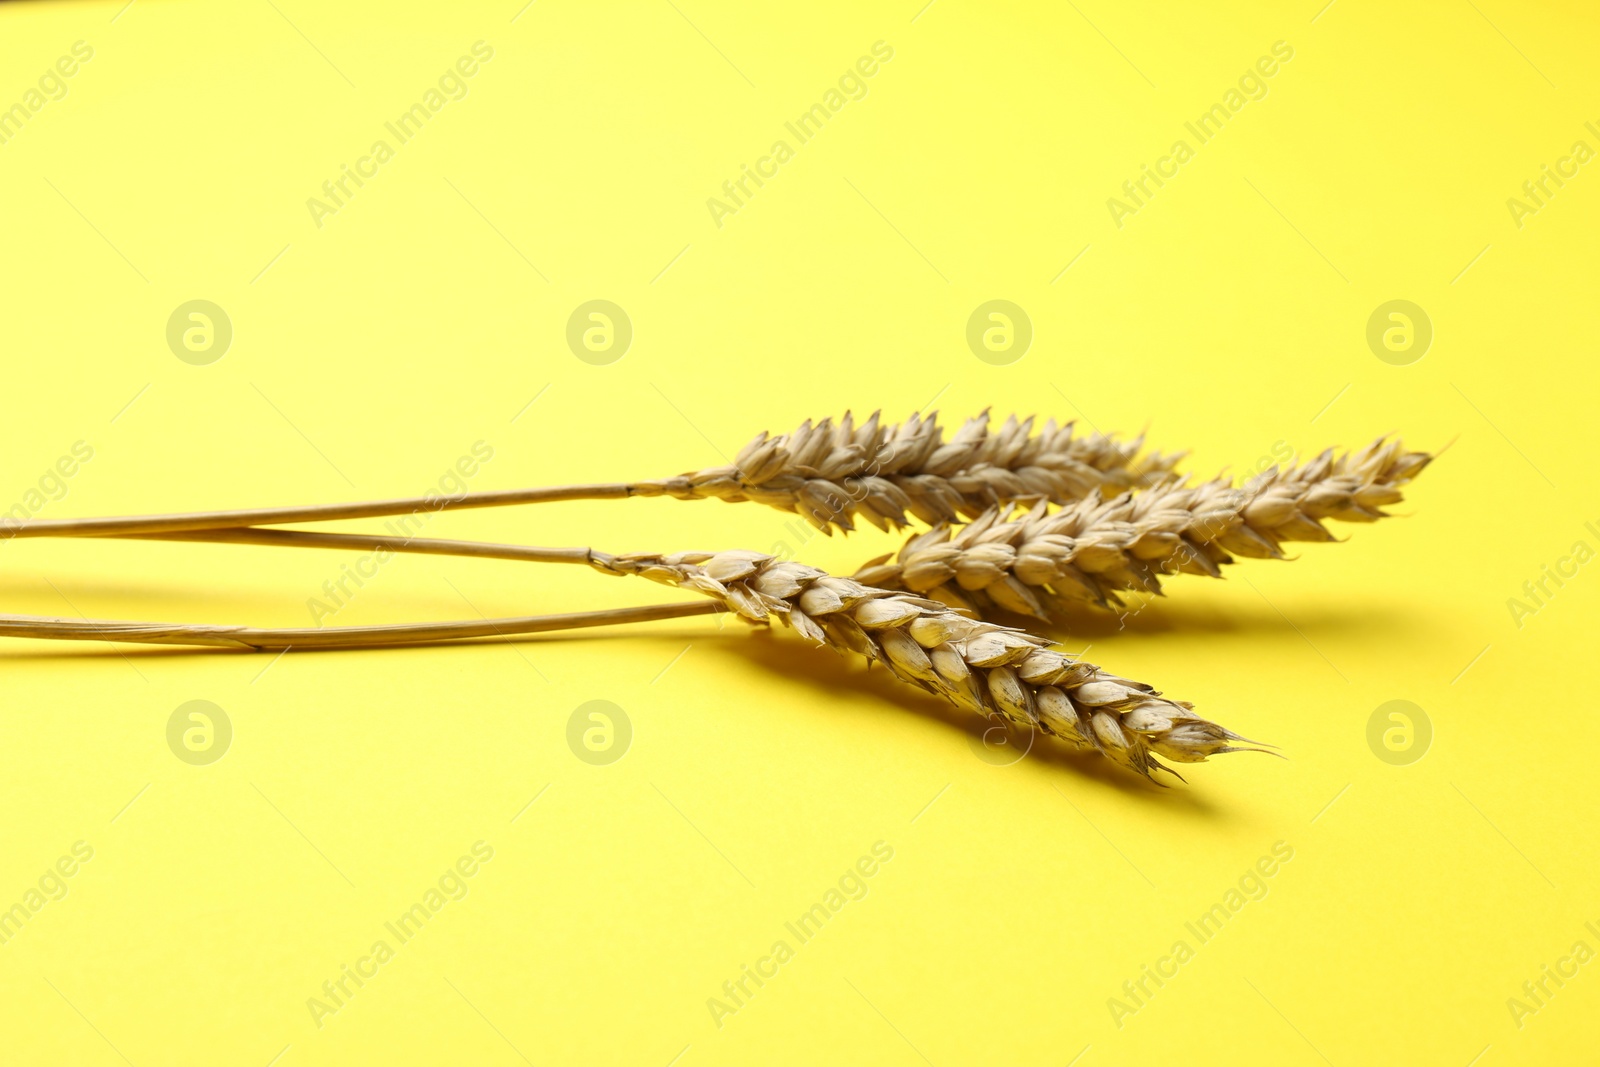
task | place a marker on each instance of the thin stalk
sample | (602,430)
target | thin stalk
(829,473)
(165,633)
(369,542)
(126,525)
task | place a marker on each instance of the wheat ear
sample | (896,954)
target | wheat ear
(830,472)
(978,666)
(1041,563)
(827,472)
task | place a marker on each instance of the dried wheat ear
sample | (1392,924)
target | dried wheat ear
(1043,562)
(832,472)
(828,472)
(976,665)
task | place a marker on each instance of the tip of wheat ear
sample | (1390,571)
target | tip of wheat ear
(979,666)
(830,472)
(1043,563)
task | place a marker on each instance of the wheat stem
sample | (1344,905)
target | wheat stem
(825,472)
(140,525)
(379,542)
(266,639)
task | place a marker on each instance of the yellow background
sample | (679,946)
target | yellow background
(1229,315)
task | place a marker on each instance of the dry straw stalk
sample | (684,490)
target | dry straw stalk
(1043,563)
(827,472)
(263,639)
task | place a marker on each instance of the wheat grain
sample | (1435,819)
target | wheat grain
(828,472)
(1042,563)
(976,665)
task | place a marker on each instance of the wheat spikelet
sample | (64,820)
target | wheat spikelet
(830,472)
(976,665)
(1040,563)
